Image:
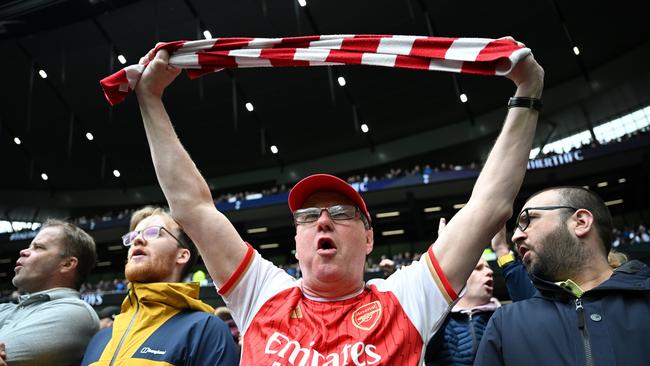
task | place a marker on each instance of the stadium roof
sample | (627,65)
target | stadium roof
(312,120)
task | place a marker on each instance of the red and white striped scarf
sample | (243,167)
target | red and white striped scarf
(463,55)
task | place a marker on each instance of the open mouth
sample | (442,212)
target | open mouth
(522,250)
(489,283)
(138,253)
(326,246)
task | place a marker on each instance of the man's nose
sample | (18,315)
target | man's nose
(324,219)
(518,235)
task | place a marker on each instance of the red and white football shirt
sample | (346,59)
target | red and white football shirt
(389,322)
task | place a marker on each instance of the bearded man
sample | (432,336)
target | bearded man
(161,320)
(584,312)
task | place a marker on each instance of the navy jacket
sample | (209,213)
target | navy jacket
(458,339)
(517,281)
(609,325)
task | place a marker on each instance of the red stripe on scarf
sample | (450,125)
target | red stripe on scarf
(410,62)
(222,44)
(431,47)
(487,59)
(362,43)
(282,57)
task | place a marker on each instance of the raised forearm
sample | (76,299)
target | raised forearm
(459,246)
(504,170)
(178,176)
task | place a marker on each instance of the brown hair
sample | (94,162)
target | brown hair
(185,240)
(76,243)
(580,197)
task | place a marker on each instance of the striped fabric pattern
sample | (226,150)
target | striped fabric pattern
(461,55)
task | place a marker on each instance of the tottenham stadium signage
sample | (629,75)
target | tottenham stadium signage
(556,160)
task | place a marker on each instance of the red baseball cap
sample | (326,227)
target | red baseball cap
(324,183)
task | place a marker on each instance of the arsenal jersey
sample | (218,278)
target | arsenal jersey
(389,322)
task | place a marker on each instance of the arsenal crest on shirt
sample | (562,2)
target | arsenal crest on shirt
(367,316)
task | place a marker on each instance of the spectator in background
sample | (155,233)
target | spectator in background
(616,259)
(224,314)
(457,341)
(583,312)
(107,316)
(642,235)
(180,329)
(50,325)
(199,277)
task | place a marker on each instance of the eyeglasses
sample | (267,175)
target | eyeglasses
(337,212)
(148,233)
(523,220)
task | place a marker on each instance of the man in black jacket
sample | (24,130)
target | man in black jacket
(584,313)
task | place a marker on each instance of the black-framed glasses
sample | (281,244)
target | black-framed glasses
(523,220)
(336,212)
(148,233)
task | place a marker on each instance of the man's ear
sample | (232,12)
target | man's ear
(583,221)
(183,255)
(69,264)
(370,240)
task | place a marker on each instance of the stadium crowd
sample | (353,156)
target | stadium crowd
(571,305)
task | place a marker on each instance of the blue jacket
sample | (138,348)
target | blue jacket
(609,325)
(163,324)
(458,339)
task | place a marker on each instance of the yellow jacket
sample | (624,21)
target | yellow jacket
(163,324)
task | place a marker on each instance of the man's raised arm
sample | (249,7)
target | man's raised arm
(459,245)
(186,191)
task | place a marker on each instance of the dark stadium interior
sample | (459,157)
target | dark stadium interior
(415,117)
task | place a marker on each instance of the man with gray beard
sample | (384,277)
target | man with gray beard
(584,313)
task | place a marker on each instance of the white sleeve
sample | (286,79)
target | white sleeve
(423,292)
(253,283)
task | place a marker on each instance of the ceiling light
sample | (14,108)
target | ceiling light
(432,209)
(365,128)
(302,3)
(44,176)
(614,202)
(602,184)
(207,34)
(42,73)
(257,230)
(341,81)
(463,98)
(576,50)
(274,149)
(103,264)
(17,140)
(621,180)
(392,232)
(115,247)
(5,260)
(121,59)
(585,187)
(249,106)
(116,173)
(269,246)
(382,215)
(89,136)
(458,206)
